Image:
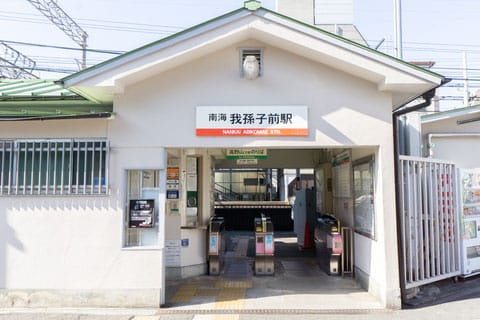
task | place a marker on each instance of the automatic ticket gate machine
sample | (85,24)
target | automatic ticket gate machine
(328,243)
(264,246)
(216,245)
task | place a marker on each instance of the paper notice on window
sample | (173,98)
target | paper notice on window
(191,182)
(191,165)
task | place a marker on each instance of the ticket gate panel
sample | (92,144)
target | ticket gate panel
(215,245)
(264,246)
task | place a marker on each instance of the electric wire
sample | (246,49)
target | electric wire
(115,52)
(50,64)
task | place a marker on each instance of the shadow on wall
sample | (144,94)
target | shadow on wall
(8,240)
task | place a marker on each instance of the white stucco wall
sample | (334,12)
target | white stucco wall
(170,99)
(459,143)
(69,251)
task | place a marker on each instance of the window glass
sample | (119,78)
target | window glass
(142,214)
(364,195)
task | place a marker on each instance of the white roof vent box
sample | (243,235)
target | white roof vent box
(251,63)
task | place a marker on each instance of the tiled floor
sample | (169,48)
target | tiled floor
(298,283)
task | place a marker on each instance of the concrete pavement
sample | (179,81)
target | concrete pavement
(459,310)
(299,290)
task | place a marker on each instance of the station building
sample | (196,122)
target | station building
(82,159)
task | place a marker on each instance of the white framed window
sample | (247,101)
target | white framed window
(54,167)
(142,208)
(364,196)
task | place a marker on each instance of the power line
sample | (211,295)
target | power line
(153,30)
(115,52)
(436,44)
(68,71)
(105,21)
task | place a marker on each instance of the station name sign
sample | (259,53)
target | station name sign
(252,121)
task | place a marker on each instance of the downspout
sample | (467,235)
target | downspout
(430,136)
(427,96)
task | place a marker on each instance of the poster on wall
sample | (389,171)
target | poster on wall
(173,182)
(172,253)
(172,207)
(173,173)
(141,213)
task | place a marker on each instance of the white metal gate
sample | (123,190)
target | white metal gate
(429,221)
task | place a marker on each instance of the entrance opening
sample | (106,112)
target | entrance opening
(305,204)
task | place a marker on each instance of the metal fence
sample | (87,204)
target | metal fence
(429,221)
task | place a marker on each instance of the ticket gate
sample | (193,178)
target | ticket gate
(216,245)
(328,244)
(264,246)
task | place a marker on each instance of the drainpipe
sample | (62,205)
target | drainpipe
(427,96)
(430,136)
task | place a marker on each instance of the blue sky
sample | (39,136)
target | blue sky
(433,30)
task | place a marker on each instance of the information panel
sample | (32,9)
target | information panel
(141,213)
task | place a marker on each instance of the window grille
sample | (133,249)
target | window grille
(54,167)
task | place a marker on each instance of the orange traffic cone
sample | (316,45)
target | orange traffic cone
(307,241)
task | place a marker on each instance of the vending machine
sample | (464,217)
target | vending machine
(469,187)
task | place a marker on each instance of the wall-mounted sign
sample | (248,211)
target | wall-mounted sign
(141,213)
(173,182)
(252,121)
(172,253)
(246,162)
(172,194)
(173,173)
(253,153)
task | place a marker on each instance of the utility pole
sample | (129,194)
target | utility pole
(397,8)
(59,18)
(465,80)
(15,65)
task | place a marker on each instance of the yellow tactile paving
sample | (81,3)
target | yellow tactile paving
(230,298)
(185,293)
(207,292)
(234,284)
(229,295)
